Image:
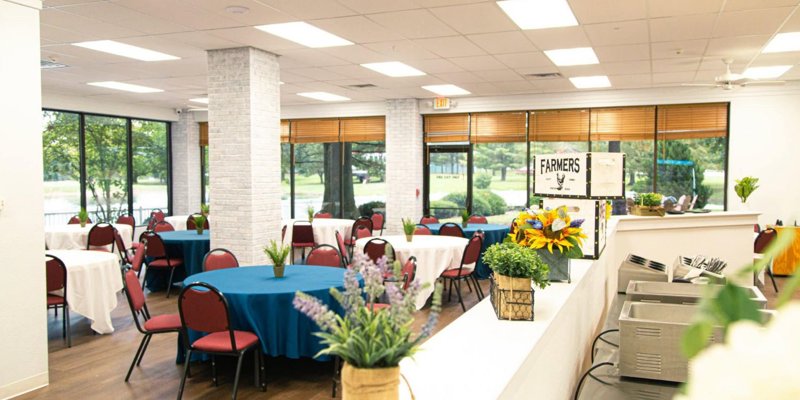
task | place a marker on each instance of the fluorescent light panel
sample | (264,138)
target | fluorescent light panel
(394,69)
(766,72)
(540,14)
(446,90)
(125,50)
(590,82)
(576,56)
(128,87)
(783,42)
(306,34)
(203,100)
(323,96)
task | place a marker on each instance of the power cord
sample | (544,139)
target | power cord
(588,373)
(600,337)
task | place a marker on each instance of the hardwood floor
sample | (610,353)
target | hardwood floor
(95,366)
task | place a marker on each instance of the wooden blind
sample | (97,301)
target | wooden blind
(203,133)
(559,125)
(446,128)
(284,131)
(498,127)
(315,130)
(623,123)
(363,129)
(692,121)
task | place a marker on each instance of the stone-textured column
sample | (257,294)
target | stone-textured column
(244,151)
(403,163)
(186,165)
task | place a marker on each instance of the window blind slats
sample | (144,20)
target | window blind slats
(446,128)
(363,129)
(692,121)
(315,130)
(559,125)
(203,133)
(498,127)
(623,123)
(284,131)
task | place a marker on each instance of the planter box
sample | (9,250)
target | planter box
(680,293)
(636,268)
(594,226)
(559,265)
(646,211)
(512,298)
(580,175)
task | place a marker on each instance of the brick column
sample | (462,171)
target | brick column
(403,163)
(244,151)
(185,165)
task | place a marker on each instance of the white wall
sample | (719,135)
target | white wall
(23,319)
(65,102)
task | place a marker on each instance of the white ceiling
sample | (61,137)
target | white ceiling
(470,43)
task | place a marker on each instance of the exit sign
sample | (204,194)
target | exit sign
(441,103)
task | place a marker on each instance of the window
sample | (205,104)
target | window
(62,171)
(150,162)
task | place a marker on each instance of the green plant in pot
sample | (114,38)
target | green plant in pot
(745,187)
(464,218)
(83,217)
(277,253)
(515,267)
(199,223)
(648,204)
(205,209)
(310,214)
(409,227)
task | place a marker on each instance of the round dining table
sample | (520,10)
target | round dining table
(187,245)
(261,303)
(178,221)
(93,281)
(434,255)
(493,233)
(324,230)
(75,237)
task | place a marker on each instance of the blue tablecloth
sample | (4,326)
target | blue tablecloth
(494,233)
(187,245)
(260,303)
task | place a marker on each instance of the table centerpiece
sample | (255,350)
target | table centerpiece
(515,267)
(277,253)
(83,217)
(409,227)
(648,205)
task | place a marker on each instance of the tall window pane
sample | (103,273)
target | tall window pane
(150,172)
(286,175)
(638,163)
(317,178)
(368,163)
(204,173)
(447,170)
(499,180)
(61,144)
(106,167)
(693,167)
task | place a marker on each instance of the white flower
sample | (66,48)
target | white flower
(558,224)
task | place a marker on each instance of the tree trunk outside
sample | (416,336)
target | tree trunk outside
(334,183)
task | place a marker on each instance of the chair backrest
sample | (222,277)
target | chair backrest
(477,219)
(409,271)
(342,248)
(219,259)
(56,272)
(428,219)
(156,216)
(138,258)
(283,233)
(302,232)
(134,292)
(127,219)
(190,224)
(154,246)
(473,250)
(323,215)
(376,248)
(422,229)
(364,222)
(75,220)
(120,245)
(756,228)
(763,240)
(362,232)
(100,236)
(324,255)
(163,226)
(377,222)
(480,233)
(451,229)
(203,308)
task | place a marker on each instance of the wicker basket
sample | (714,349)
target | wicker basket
(512,298)
(647,211)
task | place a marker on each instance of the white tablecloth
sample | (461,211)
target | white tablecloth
(324,230)
(73,237)
(178,221)
(93,280)
(434,254)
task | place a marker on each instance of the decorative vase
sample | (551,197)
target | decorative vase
(199,229)
(83,224)
(464,225)
(512,298)
(558,263)
(278,270)
(370,383)
(409,237)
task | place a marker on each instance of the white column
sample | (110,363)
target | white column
(185,165)
(403,163)
(244,150)
(23,320)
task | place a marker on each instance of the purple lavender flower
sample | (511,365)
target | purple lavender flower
(537,224)
(576,223)
(315,310)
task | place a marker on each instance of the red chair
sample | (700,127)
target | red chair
(163,226)
(359,226)
(151,325)
(342,249)
(323,215)
(407,274)
(156,216)
(100,237)
(127,219)
(75,220)
(756,228)
(454,276)
(428,219)
(56,273)
(377,248)
(155,249)
(283,234)
(422,230)
(763,240)
(377,223)
(138,260)
(451,229)
(477,219)
(125,255)
(219,259)
(324,255)
(190,224)
(302,237)
(204,309)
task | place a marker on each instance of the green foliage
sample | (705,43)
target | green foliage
(482,181)
(648,199)
(484,202)
(200,222)
(367,209)
(83,216)
(310,211)
(205,209)
(444,208)
(464,216)
(745,187)
(517,261)
(499,157)
(496,203)
(409,226)
(277,252)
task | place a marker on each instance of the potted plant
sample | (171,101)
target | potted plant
(409,227)
(200,223)
(371,341)
(83,217)
(745,187)
(310,214)
(554,235)
(464,218)
(205,209)
(277,253)
(648,204)
(515,267)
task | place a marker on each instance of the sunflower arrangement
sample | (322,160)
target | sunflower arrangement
(549,228)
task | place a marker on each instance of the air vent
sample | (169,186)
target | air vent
(362,86)
(546,75)
(47,64)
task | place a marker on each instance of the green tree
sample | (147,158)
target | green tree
(106,164)
(500,157)
(149,150)
(309,160)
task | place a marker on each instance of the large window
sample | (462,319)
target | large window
(109,165)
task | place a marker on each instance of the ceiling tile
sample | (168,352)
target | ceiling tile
(582,70)
(734,5)
(740,48)
(594,11)
(716,64)
(126,18)
(185,11)
(76,23)
(626,68)
(475,18)
(672,8)
(477,63)
(673,77)
(167,46)
(682,28)
(627,52)
(793,24)
(356,54)
(553,85)
(500,75)
(413,24)
(676,64)
(357,29)
(405,50)
(371,6)
(351,71)
(250,36)
(792,58)
(309,58)
(451,46)
(310,9)
(524,60)
(436,65)
(630,81)
(258,13)
(318,74)
(752,22)
(558,38)
(459,77)
(444,3)
(54,34)
(628,32)
(681,48)
(503,42)
(200,40)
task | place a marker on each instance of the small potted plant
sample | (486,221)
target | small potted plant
(745,187)
(515,267)
(648,204)
(277,253)
(464,218)
(205,209)
(83,217)
(199,223)
(409,227)
(310,214)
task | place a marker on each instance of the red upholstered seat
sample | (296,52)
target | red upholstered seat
(53,300)
(456,272)
(162,263)
(380,306)
(166,322)
(221,341)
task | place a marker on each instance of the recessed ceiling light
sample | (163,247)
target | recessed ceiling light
(539,14)
(590,82)
(237,9)
(306,34)
(203,100)
(128,87)
(766,72)
(446,90)
(576,56)
(125,50)
(394,69)
(323,96)
(782,42)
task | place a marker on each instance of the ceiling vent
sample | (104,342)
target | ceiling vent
(546,75)
(362,86)
(47,64)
